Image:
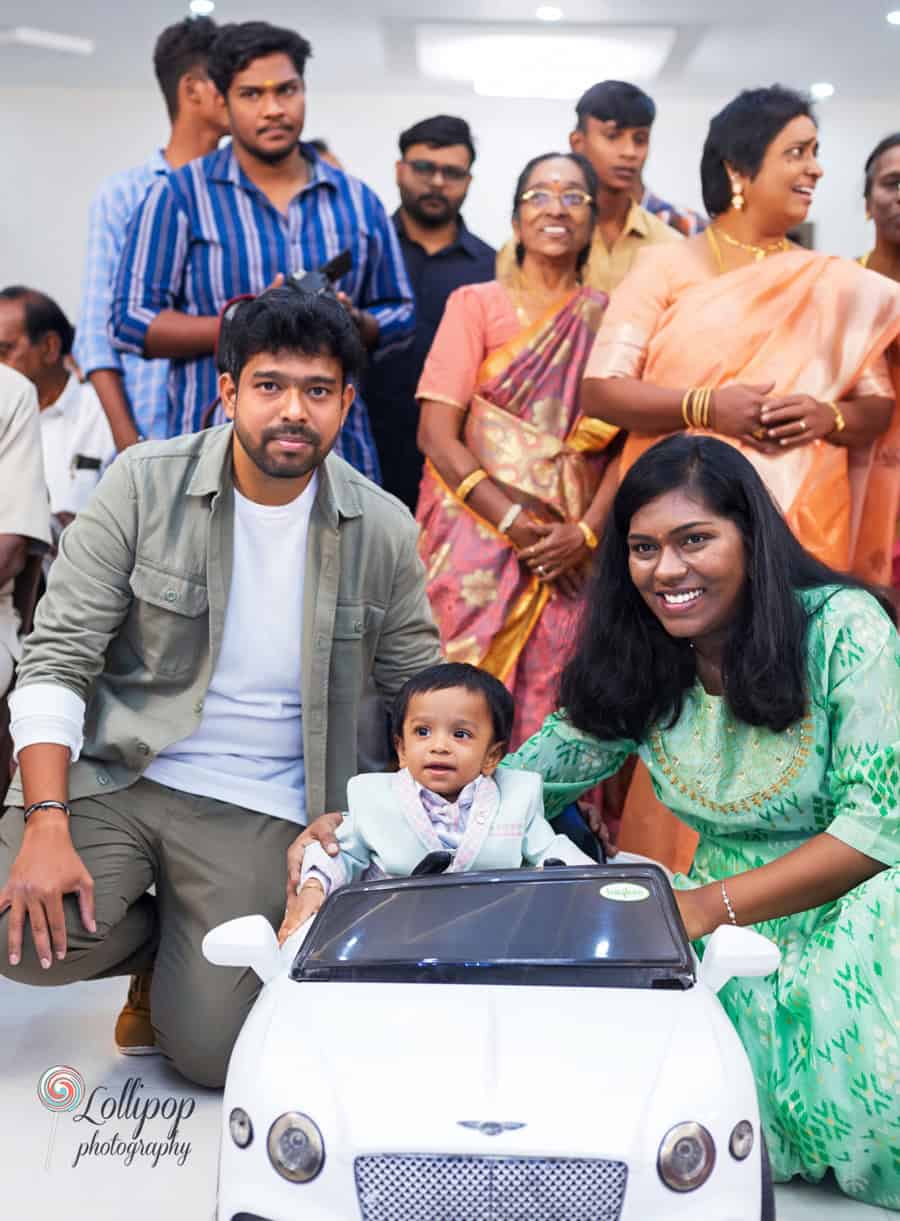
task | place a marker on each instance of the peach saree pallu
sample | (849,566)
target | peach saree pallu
(812,324)
(522,425)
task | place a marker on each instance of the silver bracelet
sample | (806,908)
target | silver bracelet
(46,805)
(725,899)
(508,518)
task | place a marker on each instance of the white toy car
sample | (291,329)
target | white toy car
(525,1045)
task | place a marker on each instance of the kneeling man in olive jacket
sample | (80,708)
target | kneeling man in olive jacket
(190,694)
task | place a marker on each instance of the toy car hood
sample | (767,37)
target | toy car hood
(449,1056)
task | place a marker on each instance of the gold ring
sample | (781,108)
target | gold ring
(542,570)
(803,425)
(759,434)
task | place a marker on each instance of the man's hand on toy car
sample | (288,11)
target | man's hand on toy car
(302,904)
(321,831)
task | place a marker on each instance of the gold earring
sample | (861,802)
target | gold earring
(737,196)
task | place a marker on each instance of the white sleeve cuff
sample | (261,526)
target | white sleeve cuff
(329,870)
(46,712)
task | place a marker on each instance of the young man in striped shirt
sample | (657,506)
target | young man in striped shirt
(248,214)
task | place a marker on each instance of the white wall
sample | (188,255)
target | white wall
(57,144)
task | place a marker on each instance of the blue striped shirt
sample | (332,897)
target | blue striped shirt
(207,234)
(145,380)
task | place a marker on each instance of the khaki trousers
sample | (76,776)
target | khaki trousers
(210,861)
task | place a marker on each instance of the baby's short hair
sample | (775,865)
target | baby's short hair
(457,674)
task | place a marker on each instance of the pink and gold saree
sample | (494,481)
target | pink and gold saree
(523,426)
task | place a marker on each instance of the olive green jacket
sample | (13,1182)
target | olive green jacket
(134,614)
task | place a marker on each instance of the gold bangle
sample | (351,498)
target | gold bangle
(589,536)
(839,422)
(470,482)
(701,407)
(685,408)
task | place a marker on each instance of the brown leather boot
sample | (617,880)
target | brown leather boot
(134,1033)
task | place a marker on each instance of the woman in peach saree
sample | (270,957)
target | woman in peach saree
(790,356)
(516,485)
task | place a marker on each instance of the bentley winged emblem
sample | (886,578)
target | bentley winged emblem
(489,1127)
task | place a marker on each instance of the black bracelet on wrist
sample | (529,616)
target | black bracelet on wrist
(47,805)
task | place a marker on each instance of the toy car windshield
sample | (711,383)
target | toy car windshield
(601,927)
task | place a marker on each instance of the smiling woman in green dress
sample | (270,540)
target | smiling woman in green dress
(762,691)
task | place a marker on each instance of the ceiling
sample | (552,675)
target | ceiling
(717,45)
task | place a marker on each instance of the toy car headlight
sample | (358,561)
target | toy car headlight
(240,1127)
(296,1149)
(741,1142)
(686,1157)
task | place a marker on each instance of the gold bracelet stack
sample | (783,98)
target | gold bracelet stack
(471,482)
(589,536)
(839,422)
(696,406)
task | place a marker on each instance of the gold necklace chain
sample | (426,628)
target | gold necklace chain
(758,252)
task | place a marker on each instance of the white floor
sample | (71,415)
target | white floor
(43,1028)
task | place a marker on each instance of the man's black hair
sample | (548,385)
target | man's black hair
(289,319)
(240,43)
(42,315)
(624,104)
(180,49)
(457,674)
(871,169)
(740,134)
(438,132)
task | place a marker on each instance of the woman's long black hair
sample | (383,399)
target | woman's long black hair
(627,673)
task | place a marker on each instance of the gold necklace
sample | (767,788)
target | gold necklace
(758,252)
(864,261)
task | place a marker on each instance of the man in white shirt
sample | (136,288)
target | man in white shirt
(190,694)
(24,510)
(35,339)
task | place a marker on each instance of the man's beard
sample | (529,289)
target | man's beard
(287,466)
(436,219)
(271,156)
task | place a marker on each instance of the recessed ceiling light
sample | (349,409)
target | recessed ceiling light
(202,8)
(894,16)
(539,63)
(821,90)
(548,12)
(47,40)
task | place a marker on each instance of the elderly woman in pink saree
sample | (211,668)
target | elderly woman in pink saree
(516,483)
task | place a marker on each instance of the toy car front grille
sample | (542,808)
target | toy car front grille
(422,1187)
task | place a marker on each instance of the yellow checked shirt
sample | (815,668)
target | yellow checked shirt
(606,268)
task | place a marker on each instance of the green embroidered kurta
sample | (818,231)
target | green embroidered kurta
(822,1032)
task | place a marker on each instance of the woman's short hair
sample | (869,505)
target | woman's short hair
(740,135)
(590,185)
(871,168)
(627,673)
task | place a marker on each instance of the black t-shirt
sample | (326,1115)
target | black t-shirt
(390,383)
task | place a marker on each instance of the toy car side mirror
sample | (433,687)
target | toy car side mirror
(248,941)
(734,952)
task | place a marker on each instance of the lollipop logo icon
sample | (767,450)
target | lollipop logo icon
(61,1088)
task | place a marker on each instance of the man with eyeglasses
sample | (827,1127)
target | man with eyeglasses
(433,176)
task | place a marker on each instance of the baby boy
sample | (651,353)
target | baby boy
(451,729)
